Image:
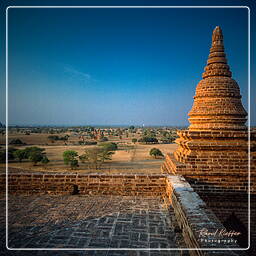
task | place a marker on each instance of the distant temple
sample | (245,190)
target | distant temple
(213,153)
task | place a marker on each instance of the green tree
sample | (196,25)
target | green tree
(65,138)
(148,140)
(16,142)
(95,157)
(11,153)
(105,155)
(165,140)
(2,156)
(53,138)
(108,146)
(35,157)
(45,160)
(20,154)
(134,140)
(149,133)
(74,164)
(70,158)
(30,150)
(155,152)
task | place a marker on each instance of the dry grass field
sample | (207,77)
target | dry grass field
(35,139)
(129,158)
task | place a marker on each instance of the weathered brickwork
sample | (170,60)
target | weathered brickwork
(213,171)
(98,184)
(193,215)
(213,153)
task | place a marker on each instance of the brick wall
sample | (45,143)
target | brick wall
(193,215)
(116,184)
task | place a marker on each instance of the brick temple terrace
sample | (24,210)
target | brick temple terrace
(199,202)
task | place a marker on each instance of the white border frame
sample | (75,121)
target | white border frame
(131,249)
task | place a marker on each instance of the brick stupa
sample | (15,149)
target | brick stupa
(213,152)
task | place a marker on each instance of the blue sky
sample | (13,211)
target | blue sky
(115,66)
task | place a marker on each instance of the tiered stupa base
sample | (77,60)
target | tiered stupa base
(213,160)
(216,164)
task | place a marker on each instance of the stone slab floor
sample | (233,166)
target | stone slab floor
(80,221)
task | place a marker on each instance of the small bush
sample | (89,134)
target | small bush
(16,142)
(87,142)
(134,140)
(74,164)
(2,156)
(53,138)
(148,140)
(103,139)
(109,146)
(155,152)
(45,160)
(11,153)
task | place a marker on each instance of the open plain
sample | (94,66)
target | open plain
(128,158)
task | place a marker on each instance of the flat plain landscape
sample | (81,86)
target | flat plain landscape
(131,156)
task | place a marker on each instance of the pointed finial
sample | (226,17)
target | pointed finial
(217,62)
(217,31)
(217,38)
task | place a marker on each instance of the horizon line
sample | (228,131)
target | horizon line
(91,125)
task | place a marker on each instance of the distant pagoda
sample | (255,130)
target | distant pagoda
(214,150)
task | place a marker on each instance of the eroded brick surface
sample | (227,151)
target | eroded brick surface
(79,221)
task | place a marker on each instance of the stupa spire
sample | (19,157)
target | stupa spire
(217,62)
(217,102)
(217,40)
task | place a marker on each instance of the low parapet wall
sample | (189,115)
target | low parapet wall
(195,220)
(190,210)
(93,184)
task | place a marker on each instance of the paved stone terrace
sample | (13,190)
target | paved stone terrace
(80,221)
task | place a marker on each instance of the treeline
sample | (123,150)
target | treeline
(33,154)
(54,138)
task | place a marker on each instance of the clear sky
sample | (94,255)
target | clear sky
(115,66)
